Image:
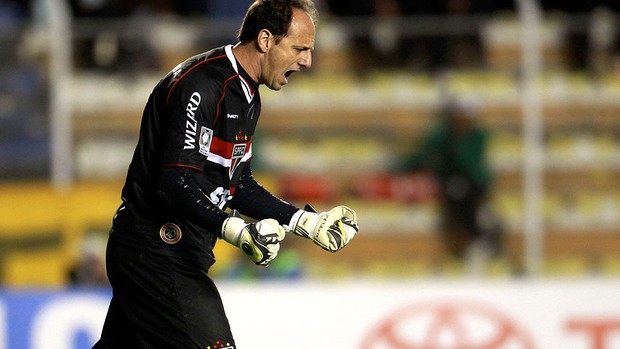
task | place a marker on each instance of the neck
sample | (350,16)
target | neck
(247,57)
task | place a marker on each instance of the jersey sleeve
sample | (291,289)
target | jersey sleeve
(191,110)
(179,191)
(253,200)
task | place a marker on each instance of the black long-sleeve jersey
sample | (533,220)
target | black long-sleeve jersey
(193,160)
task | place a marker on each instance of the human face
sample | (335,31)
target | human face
(291,53)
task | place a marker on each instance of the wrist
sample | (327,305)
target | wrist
(304,223)
(232,229)
(293,222)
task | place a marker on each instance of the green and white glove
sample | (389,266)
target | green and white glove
(332,230)
(259,240)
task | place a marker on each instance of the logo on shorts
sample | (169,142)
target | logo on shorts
(170,233)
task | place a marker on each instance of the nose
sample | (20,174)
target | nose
(306,59)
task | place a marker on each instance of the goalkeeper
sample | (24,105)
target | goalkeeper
(191,176)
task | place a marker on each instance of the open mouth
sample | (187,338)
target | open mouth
(287,74)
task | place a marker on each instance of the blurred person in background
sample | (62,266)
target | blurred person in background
(193,163)
(378,29)
(89,267)
(593,49)
(24,120)
(358,34)
(114,35)
(455,152)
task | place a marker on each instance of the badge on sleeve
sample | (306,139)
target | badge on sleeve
(206,137)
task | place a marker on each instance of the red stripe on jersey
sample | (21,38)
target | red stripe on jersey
(187,72)
(225,149)
(183,165)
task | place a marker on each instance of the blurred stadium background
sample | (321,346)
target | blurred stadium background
(545,75)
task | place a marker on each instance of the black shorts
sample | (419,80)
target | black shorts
(161,302)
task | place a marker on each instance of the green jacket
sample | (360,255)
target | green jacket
(448,155)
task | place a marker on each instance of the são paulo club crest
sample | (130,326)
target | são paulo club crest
(235,160)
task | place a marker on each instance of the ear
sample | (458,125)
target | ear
(264,40)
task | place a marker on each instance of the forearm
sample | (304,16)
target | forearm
(178,189)
(253,200)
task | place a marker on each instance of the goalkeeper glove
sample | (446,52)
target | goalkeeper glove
(259,240)
(331,230)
